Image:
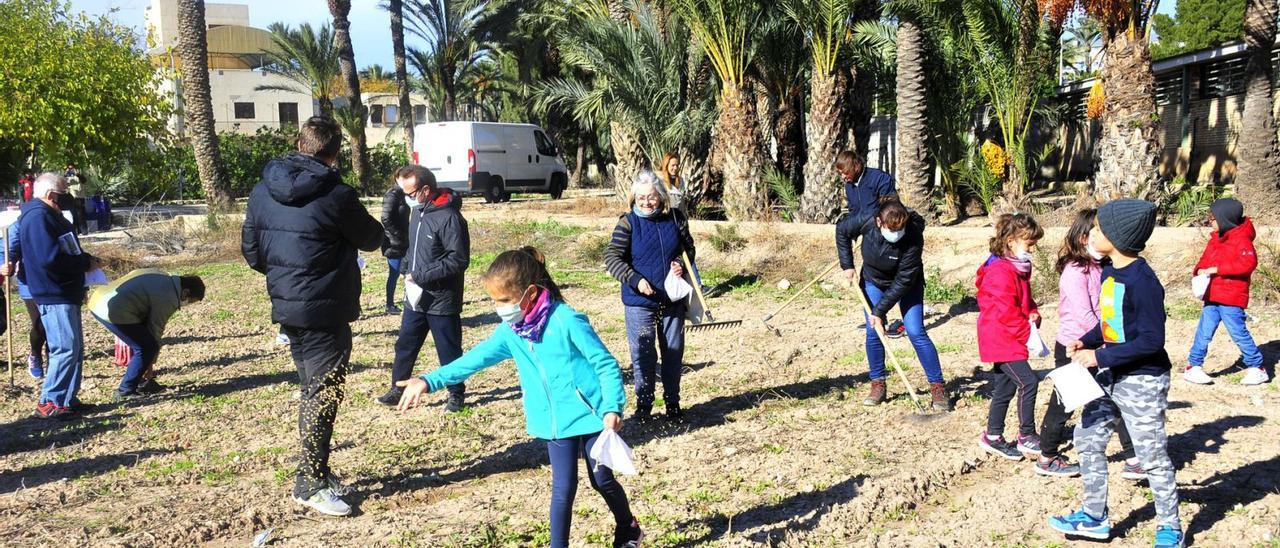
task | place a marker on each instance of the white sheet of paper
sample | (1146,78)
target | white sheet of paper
(1200,285)
(69,244)
(1075,385)
(412,293)
(95,277)
(676,287)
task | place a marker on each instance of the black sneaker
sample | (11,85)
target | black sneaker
(455,403)
(150,386)
(392,309)
(895,330)
(628,537)
(1029,444)
(999,447)
(391,398)
(675,413)
(125,396)
(643,413)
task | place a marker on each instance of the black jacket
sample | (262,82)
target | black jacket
(302,229)
(395,222)
(894,268)
(439,254)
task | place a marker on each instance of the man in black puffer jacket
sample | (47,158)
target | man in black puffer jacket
(395,222)
(435,264)
(303,229)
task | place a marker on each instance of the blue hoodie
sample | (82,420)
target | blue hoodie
(569,380)
(53,263)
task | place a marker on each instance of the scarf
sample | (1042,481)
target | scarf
(535,319)
(1022,266)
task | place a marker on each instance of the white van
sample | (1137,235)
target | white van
(490,159)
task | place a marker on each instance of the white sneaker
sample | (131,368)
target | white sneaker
(1196,375)
(1255,376)
(326,502)
(282,339)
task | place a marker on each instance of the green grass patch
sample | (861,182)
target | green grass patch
(938,290)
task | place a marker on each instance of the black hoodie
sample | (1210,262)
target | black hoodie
(302,229)
(439,253)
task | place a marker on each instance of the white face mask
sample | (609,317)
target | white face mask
(892,236)
(1097,255)
(1024,256)
(410,201)
(509,313)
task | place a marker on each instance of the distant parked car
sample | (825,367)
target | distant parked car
(491,159)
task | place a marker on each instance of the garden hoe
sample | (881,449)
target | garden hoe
(702,321)
(884,340)
(765,320)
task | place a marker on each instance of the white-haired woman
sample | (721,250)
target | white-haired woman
(645,248)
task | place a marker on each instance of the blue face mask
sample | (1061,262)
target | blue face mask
(642,214)
(412,202)
(892,236)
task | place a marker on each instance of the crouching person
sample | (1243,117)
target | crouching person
(136,309)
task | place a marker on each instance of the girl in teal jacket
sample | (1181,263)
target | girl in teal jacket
(571,384)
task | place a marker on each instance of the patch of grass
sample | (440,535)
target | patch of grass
(727,239)
(1266,279)
(937,290)
(544,228)
(704,495)
(171,469)
(774,448)
(950,348)
(284,475)
(1183,311)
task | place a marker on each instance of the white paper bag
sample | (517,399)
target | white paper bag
(95,277)
(1200,285)
(1075,385)
(609,450)
(412,293)
(1036,347)
(676,287)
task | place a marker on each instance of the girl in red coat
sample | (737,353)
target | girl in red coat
(1229,261)
(1005,312)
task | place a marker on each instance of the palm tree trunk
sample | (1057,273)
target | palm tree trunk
(347,62)
(1257,163)
(193,50)
(1129,150)
(744,158)
(860,88)
(788,131)
(396,7)
(914,171)
(827,137)
(628,157)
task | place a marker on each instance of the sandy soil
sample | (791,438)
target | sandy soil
(778,449)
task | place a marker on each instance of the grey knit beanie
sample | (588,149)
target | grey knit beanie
(1127,223)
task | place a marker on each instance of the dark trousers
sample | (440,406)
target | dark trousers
(393,276)
(648,328)
(143,346)
(322,357)
(77,215)
(1053,428)
(446,332)
(37,337)
(564,485)
(1013,377)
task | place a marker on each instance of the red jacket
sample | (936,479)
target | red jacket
(1236,259)
(1004,311)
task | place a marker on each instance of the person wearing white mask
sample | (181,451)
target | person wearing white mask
(892,274)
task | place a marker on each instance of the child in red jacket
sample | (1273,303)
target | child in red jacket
(1229,260)
(1005,312)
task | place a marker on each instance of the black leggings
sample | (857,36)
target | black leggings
(1013,377)
(36,337)
(1053,430)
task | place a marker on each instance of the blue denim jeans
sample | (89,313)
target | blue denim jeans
(912,308)
(1234,318)
(647,328)
(393,277)
(564,454)
(143,346)
(66,353)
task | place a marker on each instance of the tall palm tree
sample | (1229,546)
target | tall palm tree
(914,171)
(1258,171)
(779,70)
(628,152)
(340,9)
(374,72)
(308,57)
(824,25)
(396,8)
(458,33)
(725,30)
(193,49)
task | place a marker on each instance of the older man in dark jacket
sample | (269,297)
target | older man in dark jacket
(303,229)
(437,259)
(395,223)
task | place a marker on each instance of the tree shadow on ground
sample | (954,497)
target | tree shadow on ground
(728,286)
(36,476)
(492,396)
(1270,357)
(215,389)
(482,319)
(187,339)
(1208,438)
(1219,494)
(218,362)
(799,512)
(31,433)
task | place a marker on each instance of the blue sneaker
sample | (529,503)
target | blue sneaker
(1082,524)
(35,367)
(1169,537)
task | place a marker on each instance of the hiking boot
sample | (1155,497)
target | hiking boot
(877,395)
(1081,524)
(1133,472)
(1029,444)
(35,367)
(1057,467)
(999,447)
(938,393)
(1169,537)
(150,386)
(629,536)
(455,403)
(675,414)
(1255,376)
(643,413)
(391,398)
(895,330)
(1196,375)
(326,502)
(50,410)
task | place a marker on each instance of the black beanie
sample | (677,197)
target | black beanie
(1128,223)
(1228,212)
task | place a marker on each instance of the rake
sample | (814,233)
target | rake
(706,321)
(884,340)
(765,320)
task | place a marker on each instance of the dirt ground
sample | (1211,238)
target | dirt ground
(777,450)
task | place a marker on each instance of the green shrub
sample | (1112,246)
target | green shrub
(784,192)
(727,239)
(1192,205)
(937,290)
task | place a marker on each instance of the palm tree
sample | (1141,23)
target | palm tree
(194,52)
(628,153)
(725,29)
(306,56)
(914,171)
(1258,171)
(779,70)
(340,9)
(824,26)
(374,72)
(458,33)
(396,8)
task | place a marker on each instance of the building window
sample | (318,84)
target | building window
(289,115)
(420,113)
(375,115)
(1222,78)
(244,111)
(1169,89)
(390,115)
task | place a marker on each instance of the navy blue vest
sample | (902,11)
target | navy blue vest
(655,242)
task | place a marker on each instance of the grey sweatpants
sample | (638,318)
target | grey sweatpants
(1141,400)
